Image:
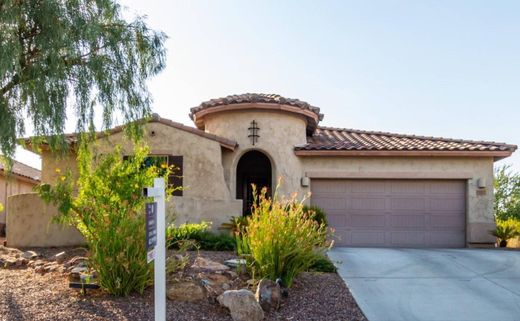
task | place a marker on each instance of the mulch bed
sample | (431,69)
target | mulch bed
(26,295)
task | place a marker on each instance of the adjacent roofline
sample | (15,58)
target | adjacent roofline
(497,155)
(224,142)
(374,132)
(18,174)
(333,141)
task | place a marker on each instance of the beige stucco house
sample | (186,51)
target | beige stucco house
(21,179)
(378,189)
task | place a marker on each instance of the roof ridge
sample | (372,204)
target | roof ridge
(411,136)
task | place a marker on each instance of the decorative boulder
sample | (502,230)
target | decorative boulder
(29,255)
(186,291)
(268,294)
(201,263)
(242,305)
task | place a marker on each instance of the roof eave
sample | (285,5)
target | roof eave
(497,155)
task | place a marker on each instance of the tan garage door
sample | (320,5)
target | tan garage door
(394,213)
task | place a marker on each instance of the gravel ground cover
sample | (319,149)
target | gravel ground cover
(26,295)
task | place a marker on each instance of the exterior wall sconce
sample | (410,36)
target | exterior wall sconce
(481,183)
(305,181)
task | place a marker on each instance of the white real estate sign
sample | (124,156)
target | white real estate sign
(156,244)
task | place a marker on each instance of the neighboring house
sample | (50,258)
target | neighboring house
(378,189)
(21,180)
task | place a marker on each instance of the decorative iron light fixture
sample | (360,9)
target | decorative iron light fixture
(253,132)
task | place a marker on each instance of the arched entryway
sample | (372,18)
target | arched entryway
(254,167)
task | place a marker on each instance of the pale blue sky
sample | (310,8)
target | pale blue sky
(437,68)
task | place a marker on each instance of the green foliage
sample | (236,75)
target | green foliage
(200,234)
(507,193)
(281,239)
(316,213)
(106,206)
(235,226)
(506,229)
(322,264)
(84,53)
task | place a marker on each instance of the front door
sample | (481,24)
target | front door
(254,167)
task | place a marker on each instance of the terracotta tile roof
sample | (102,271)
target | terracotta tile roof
(342,139)
(224,142)
(23,170)
(255,98)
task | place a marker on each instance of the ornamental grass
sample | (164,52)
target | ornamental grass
(280,239)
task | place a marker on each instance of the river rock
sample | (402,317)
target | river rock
(268,294)
(29,255)
(186,291)
(201,263)
(242,305)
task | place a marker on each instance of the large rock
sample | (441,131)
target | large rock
(75,261)
(268,294)
(29,255)
(201,263)
(215,283)
(242,305)
(186,291)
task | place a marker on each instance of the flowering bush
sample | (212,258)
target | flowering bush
(106,206)
(281,239)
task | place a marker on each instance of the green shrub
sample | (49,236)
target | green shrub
(186,231)
(316,213)
(322,264)
(199,232)
(281,239)
(506,230)
(106,206)
(235,226)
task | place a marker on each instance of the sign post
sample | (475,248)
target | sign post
(156,243)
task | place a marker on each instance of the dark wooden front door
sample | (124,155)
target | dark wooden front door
(253,168)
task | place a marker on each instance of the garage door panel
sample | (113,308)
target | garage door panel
(447,187)
(367,238)
(365,203)
(407,238)
(446,239)
(447,204)
(332,186)
(416,204)
(408,221)
(447,221)
(331,203)
(394,213)
(338,220)
(407,187)
(368,187)
(372,221)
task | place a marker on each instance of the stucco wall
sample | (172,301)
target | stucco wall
(205,193)
(12,185)
(51,162)
(29,224)
(479,206)
(279,133)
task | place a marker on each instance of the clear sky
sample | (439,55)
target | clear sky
(439,68)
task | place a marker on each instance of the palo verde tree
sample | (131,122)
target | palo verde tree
(60,58)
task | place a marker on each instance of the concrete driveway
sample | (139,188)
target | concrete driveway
(432,284)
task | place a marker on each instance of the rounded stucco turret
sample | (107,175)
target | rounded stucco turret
(271,124)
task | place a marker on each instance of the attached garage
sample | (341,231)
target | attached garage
(394,213)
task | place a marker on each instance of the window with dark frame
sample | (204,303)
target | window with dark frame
(175,178)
